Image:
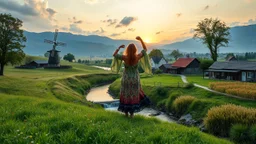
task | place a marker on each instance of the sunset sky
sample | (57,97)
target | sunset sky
(157,21)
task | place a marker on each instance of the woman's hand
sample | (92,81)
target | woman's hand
(122,46)
(138,38)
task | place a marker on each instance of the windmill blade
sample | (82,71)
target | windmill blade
(48,41)
(56,35)
(61,44)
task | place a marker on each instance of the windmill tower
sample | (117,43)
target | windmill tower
(54,59)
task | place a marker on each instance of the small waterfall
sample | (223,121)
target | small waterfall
(110,105)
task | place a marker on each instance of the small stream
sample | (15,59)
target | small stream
(101,95)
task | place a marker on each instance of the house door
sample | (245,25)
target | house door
(243,76)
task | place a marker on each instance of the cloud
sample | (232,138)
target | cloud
(30,8)
(233,24)
(206,7)
(25,9)
(110,21)
(251,21)
(51,12)
(101,31)
(78,22)
(34,13)
(191,31)
(179,14)
(131,29)
(126,21)
(75,21)
(64,28)
(117,34)
(74,28)
(157,33)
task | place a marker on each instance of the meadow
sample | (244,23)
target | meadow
(198,79)
(49,106)
(242,89)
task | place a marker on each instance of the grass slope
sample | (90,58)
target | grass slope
(33,120)
(48,106)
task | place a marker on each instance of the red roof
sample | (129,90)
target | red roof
(183,62)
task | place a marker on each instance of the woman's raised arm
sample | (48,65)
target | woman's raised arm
(116,51)
(142,42)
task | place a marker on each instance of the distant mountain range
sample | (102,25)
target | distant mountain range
(243,39)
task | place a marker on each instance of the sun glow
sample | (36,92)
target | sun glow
(147,40)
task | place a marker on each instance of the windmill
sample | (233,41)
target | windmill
(54,54)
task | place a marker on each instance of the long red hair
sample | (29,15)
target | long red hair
(131,54)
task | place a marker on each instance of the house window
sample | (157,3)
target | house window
(249,74)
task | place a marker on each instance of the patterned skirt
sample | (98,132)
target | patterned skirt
(132,97)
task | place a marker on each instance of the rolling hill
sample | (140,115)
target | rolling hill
(242,39)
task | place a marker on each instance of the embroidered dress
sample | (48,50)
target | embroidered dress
(132,97)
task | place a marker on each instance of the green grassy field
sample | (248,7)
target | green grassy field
(162,80)
(48,106)
(198,79)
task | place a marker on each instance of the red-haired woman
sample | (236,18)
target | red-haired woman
(132,98)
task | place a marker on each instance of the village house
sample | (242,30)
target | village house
(186,66)
(233,70)
(166,68)
(34,64)
(156,62)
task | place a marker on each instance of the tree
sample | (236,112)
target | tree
(176,54)
(11,41)
(157,53)
(214,34)
(47,54)
(79,61)
(205,63)
(69,57)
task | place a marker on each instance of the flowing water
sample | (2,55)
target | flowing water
(100,95)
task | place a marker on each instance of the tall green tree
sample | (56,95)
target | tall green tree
(156,52)
(214,34)
(205,63)
(69,57)
(176,54)
(11,41)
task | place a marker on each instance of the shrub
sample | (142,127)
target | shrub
(189,85)
(199,107)
(162,91)
(240,133)
(161,105)
(158,71)
(170,100)
(181,104)
(220,119)
(252,133)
